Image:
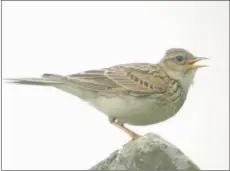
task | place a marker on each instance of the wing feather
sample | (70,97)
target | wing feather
(135,78)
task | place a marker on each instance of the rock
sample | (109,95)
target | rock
(149,152)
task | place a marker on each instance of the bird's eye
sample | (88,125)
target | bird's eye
(180,58)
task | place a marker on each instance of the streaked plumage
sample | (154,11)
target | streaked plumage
(136,93)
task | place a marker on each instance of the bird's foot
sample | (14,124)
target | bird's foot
(134,137)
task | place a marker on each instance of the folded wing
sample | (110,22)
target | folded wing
(134,78)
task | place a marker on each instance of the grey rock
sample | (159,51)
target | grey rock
(149,152)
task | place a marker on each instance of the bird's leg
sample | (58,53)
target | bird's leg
(132,134)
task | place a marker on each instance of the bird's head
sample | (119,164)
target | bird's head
(180,65)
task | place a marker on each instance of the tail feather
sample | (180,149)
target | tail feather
(56,81)
(45,80)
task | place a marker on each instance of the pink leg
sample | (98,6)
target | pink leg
(132,134)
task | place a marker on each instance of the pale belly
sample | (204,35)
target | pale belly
(138,110)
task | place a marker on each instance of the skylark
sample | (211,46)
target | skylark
(134,93)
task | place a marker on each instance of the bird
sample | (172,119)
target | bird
(136,94)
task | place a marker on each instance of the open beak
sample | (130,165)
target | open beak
(191,63)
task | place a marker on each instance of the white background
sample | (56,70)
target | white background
(45,128)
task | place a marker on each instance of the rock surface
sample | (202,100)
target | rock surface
(149,152)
